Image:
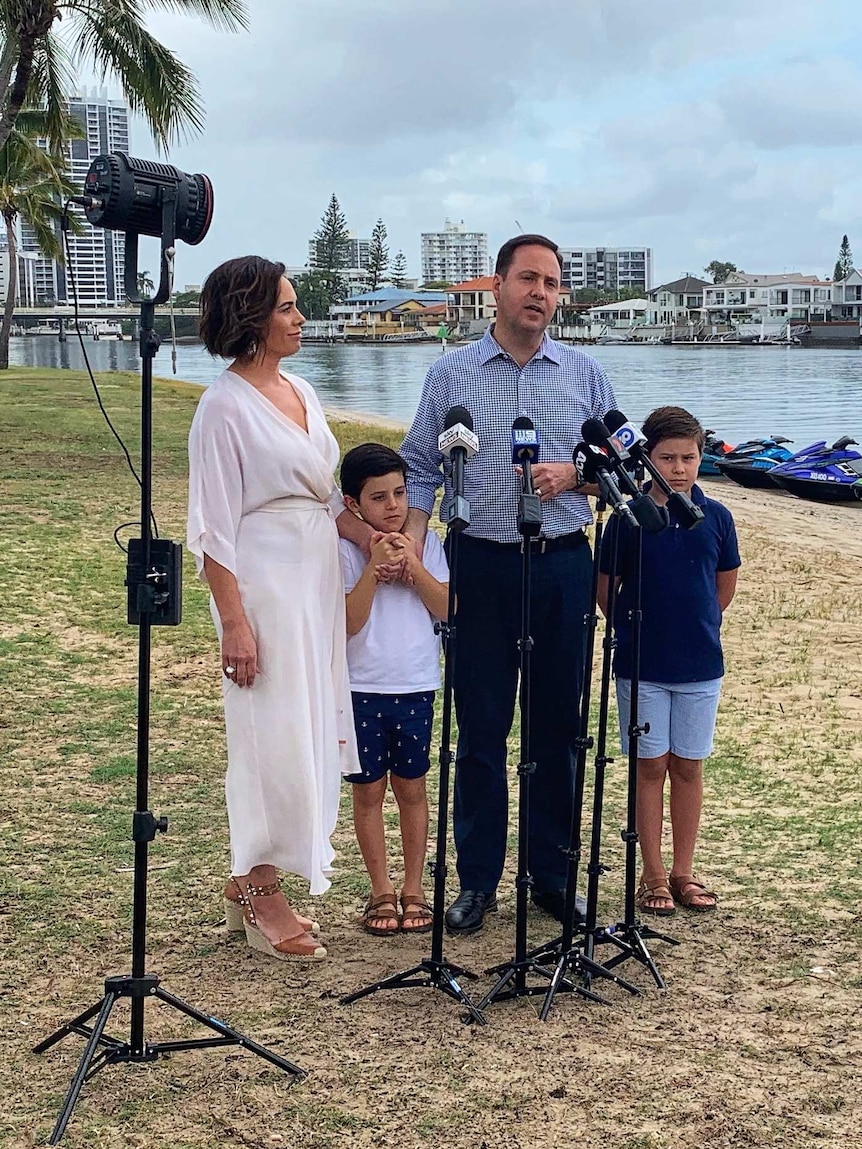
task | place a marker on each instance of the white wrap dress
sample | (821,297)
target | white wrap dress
(263,503)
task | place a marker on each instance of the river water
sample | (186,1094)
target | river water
(740,392)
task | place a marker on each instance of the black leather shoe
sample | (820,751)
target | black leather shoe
(466,915)
(553,902)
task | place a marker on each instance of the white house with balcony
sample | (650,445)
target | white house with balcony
(768,299)
(678,302)
(847,297)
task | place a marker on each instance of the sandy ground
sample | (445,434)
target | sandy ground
(755,1041)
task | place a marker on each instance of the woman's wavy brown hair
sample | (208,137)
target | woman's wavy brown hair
(237,302)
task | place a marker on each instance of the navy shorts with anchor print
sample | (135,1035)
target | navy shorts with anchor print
(393,733)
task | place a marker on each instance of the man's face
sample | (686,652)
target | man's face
(527,295)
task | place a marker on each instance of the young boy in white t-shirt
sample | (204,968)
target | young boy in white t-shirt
(393,656)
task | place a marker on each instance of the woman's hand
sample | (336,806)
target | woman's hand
(239,654)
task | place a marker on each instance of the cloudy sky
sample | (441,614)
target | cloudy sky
(730,130)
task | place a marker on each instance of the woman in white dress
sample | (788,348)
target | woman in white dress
(262,509)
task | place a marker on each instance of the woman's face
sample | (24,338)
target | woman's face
(284,331)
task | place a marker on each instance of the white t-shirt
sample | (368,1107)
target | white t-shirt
(397,651)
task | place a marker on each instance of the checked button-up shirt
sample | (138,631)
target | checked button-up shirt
(559,388)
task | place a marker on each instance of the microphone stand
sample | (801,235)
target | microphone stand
(568,953)
(512,975)
(434,971)
(631,930)
(154,598)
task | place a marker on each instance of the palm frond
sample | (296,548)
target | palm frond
(226,15)
(156,84)
(53,78)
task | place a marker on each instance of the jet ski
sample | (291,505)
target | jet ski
(714,450)
(751,463)
(823,473)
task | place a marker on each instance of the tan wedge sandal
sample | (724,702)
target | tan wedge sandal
(299,947)
(234,912)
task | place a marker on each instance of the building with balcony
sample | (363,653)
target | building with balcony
(747,298)
(454,254)
(96,256)
(678,302)
(847,297)
(606,268)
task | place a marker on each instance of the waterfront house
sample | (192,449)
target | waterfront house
(847,297)
(627,313)
(677,303)
(747,298)
(472,305)
(384,311)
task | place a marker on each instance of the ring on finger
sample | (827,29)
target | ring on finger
(230,671)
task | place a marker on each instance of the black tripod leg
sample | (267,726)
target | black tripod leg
(104,1010)
(392,982)
(448,984)
(225,1031)
(72,1026)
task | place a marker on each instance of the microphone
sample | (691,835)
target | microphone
(592,466)
(596,432)
(525,451)
(688,513)
(459,443)
(525,441)
(646,512)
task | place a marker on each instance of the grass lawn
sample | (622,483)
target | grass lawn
(755,1041)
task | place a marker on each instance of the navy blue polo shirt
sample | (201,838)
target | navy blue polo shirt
(681,618)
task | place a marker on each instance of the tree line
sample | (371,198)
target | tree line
(325,282)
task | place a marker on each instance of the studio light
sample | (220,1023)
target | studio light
(126,194)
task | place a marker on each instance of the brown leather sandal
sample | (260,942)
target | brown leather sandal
(419,911)
(686,887)
(301,946)
(235,902)
(654,897)
(382,909)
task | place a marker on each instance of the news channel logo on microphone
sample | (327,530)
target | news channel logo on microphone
(626,436)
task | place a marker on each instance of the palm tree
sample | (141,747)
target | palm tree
(33,184)
(37,67)
(145,283)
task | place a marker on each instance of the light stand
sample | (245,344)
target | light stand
(153,579)
(434,971)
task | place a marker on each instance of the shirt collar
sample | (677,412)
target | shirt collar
(489,348)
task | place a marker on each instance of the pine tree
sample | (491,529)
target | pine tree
(330,250)
(378,256)
(398,271)
(844,263)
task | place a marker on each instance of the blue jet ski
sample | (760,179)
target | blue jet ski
(823,473)
(751,463)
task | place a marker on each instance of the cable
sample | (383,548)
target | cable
(64,227)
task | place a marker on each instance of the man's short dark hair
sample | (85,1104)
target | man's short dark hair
(671,423)
(368,461)
(237,303)
(507,252)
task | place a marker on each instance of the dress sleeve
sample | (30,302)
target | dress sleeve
(215,487)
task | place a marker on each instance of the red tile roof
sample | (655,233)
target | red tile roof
(483,283)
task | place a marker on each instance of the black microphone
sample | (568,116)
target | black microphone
(593,466)
(525,451)
(646,511)
(460,444)
(634,441)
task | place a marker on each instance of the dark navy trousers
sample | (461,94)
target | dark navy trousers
(486,677)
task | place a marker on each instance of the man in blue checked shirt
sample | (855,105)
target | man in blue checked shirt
(514,370)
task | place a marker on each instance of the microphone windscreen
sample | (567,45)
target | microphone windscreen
(613,420)
(457,415)
(523,423)
(594,431)
(587,461)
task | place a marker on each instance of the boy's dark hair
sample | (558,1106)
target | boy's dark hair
(507,252)
(671,423)
(237,302)
(368,461)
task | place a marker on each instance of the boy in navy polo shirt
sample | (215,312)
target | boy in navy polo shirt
(393,656)
(688,581)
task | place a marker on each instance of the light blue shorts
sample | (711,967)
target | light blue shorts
(681,717)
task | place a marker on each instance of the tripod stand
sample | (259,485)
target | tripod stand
(568,955)
(512,976)
(630,935)
(153,579)
(434,971)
